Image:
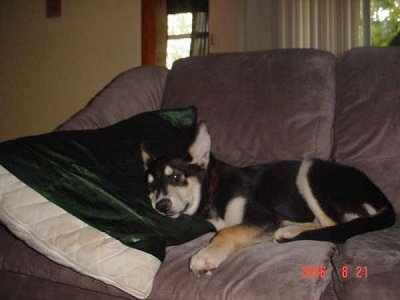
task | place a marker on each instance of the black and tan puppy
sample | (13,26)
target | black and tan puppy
(282,201)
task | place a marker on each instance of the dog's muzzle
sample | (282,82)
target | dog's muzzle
(164,206)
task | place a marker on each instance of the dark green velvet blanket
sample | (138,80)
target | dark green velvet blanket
(98,176)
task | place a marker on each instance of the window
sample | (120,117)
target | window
(384,21)
(173,29)
(187,22)
(332,25)
(179,37)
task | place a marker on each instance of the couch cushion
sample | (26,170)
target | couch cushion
(368,266)
(367,132)
(263,271)
(260,106)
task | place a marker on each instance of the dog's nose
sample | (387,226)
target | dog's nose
(164,205)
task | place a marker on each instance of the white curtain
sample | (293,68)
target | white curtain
(332,25)
(199,45)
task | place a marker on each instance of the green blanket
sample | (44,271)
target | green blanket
(98,176)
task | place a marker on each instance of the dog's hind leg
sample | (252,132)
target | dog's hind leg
(227,241)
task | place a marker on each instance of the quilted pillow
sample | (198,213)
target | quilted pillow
(65,239)
(79,197)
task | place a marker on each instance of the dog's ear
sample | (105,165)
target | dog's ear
(201,147)
(146,156)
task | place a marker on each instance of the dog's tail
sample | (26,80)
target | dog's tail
(386,217)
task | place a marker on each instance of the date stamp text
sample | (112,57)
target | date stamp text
(316,272)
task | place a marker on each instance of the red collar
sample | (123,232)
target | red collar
(212,187)
(212,184)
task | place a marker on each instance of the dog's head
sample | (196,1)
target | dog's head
(174,183)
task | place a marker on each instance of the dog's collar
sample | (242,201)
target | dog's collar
(211,188)
(212,184)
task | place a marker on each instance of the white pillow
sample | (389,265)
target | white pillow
(68,241)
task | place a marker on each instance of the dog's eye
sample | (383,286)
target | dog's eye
(175,178)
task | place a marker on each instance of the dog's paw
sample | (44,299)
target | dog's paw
(285,234)
(206,260)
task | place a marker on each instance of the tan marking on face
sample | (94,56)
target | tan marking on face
(152,197)
(185,199)
(150,178)
(168,171)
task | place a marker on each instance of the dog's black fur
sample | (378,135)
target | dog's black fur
(282,201)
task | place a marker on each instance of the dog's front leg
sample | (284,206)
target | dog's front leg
(227,241)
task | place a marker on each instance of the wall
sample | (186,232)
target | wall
(50,68)
(226,18)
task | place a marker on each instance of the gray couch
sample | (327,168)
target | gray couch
(262,106)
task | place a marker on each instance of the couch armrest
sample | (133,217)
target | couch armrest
(131,92)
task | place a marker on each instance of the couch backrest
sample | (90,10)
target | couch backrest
(131,92)
(260,106)
(367,127)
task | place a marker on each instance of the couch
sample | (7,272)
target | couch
(259,107)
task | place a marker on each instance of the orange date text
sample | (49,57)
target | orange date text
(319,271)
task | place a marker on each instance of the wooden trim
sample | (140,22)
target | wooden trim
(154,32)
(53,8)
(148,32)
(180,36)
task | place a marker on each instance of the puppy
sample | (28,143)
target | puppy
(282,201)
